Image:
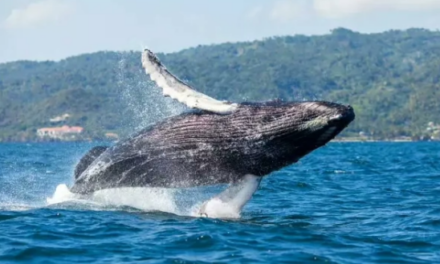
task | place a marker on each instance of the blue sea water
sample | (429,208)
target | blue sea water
(345,203)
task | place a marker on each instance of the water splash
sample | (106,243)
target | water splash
(145,199)
(143,99)
(194,202)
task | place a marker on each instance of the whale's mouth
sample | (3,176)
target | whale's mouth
(327,135)
(336,124)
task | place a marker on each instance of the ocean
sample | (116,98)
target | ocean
(344,203)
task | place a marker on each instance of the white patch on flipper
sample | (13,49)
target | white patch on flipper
(177,89)
(231,201)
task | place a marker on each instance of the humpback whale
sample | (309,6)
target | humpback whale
(217,142)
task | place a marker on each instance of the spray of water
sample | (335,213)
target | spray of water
(195,202)
(143,99)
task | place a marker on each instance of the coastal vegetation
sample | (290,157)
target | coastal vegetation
(392,79)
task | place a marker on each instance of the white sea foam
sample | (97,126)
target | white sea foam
(15,207)
(145,199)
(188,202)
(62,194)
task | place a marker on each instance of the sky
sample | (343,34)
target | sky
(56,29)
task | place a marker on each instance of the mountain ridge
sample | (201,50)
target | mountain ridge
(391,79)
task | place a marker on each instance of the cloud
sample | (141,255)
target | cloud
(255,12)
(279,11)
(38,13)
(347,8)
(287,10)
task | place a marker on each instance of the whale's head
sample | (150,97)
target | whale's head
(289,131)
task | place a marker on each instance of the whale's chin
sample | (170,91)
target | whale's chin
(327,135)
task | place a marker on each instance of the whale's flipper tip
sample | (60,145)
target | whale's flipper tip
(179,90)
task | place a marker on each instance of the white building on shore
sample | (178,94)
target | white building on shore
(63,133)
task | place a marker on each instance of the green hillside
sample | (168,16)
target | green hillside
(391,79)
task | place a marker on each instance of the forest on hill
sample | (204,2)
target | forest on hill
(391,79)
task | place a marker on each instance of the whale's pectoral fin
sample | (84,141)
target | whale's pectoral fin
(230,202)
(85,161)
(179,90)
